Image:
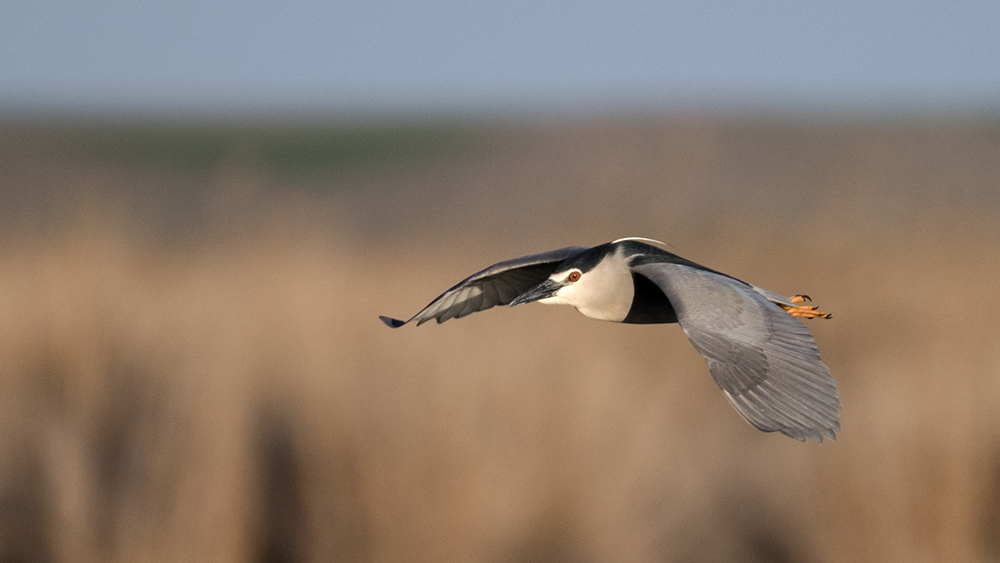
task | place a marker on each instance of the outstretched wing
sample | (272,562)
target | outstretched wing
(764,359)
(497,285)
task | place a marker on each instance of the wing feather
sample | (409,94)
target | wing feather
(491,294)
(499,284)
(473,303)
(765,360)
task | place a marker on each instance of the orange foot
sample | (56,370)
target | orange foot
(804,311)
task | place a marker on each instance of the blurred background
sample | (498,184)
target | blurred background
(204,206)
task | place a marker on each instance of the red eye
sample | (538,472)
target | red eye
(573,276)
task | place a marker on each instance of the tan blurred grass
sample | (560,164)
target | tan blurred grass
(231,396)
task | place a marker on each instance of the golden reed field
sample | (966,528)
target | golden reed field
(192,366)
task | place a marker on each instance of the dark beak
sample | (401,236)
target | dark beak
(547,288)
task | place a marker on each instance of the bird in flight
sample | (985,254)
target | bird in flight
(758,352)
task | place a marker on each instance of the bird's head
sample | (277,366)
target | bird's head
(598,282)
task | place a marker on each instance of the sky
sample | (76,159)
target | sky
(392,56)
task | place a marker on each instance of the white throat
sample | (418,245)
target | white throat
(604,293)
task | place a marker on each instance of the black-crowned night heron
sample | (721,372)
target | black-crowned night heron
(764,359)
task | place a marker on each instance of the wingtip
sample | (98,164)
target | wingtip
(825,433)
(391,322)
(815,434)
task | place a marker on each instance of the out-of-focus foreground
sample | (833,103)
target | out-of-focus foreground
(192,368)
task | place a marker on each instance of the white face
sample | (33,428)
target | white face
(565,294)
(605,292)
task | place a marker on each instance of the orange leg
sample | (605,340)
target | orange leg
(804,311)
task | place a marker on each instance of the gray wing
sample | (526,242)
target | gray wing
(499,284)
(764,359)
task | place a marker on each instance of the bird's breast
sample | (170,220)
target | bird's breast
(610,303)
